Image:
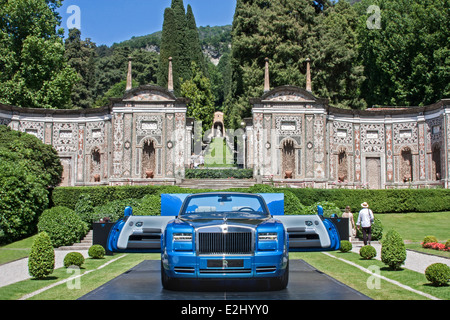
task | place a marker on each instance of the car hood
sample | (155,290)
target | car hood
(212,219)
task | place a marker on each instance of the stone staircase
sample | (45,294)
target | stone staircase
(217,184)
(85,244)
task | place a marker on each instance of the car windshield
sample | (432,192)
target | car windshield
(225,203)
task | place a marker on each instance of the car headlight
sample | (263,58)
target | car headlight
(268,236)
(182,237)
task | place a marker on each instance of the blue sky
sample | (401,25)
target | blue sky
(109,21)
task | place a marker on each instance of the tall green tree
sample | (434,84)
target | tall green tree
(201,99)
(278,30)
(33,68)
(407,59)
(168,49)
(195,52)
(180,40)
(81,57)
(337,73)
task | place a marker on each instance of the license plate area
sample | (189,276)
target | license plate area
(224,263)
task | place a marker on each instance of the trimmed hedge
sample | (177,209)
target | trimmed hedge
(219,174)
(380,201)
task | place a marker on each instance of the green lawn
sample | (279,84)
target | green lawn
(416,226)
(16,250)
(357,279)
(219,155)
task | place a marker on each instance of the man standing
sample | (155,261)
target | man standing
(365,220)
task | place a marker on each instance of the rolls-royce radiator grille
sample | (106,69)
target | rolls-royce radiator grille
(225,243)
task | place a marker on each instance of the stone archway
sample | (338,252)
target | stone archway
(288,160)
(148,159)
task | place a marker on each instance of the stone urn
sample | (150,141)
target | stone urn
(149,174)
(288,174)
(97,178)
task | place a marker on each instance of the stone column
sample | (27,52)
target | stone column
(170,77)
(129,75)
(308,75)
(267,77)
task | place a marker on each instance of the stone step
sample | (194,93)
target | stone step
(84,244)
(217,184)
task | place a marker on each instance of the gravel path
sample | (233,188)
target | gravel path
(414,260)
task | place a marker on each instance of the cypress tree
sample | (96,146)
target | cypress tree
(168,48)
(194,48)
(181,59)
(180,40)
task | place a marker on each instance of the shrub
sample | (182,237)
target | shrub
(329,208)
(292,205)
(114,210)
(435,246)
(377,230)
(63,226)
(367,252)
(429,239)
(41,260)
(73,259)
(150,205)
(393,250)
(23,197)
(96,252)
(447,244)
(438,274)
(346,246)
(85,209)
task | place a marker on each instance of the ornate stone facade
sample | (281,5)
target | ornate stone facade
(293,138)
(297,139)
(116,145)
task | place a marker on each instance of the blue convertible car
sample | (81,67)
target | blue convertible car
(223,235)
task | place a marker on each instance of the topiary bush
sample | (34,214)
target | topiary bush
(96,252)
(73,259)
(41,260)
(63,226)
(393,250)
(368,252)
(346,246)
(438,274)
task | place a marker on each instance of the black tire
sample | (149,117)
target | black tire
(167,282)
(281,283)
